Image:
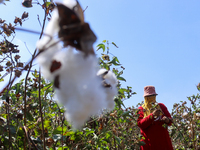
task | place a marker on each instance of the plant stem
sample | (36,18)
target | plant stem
(40,103)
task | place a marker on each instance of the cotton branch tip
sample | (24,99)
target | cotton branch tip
(50,31)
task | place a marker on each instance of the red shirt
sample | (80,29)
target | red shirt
(156,136)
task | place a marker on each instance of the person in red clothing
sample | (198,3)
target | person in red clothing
(153,121)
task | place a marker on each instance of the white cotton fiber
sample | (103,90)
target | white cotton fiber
(45,59)
(109,76)
(111,92)
(69,3)
(101,72)
(80,90)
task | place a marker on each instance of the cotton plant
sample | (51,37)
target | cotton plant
(79,85)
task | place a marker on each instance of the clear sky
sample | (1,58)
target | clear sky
(159,41)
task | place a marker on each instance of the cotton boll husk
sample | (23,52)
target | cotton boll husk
(1,1)
(80,90)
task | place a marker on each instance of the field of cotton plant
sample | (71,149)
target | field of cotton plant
(75,100)
(185,131)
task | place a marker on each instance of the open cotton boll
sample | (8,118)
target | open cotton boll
(76,71)
(80,90)
(111,92)
(111,78)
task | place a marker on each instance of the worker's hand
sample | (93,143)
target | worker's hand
(156,113)
(165,119)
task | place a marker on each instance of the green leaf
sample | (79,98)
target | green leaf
(47,123)
(29,116)
(101,46)
(121,78)
(115,61)
(48,3)
(62,110)
(122,90)
(59,130)
(104,41)
(88,131)
(108,135)
(117,139)
(63,147)
(125,114)
(115,44)
(4,115)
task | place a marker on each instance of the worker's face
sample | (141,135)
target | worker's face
(151,98)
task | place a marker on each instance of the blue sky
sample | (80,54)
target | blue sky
(159,41)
